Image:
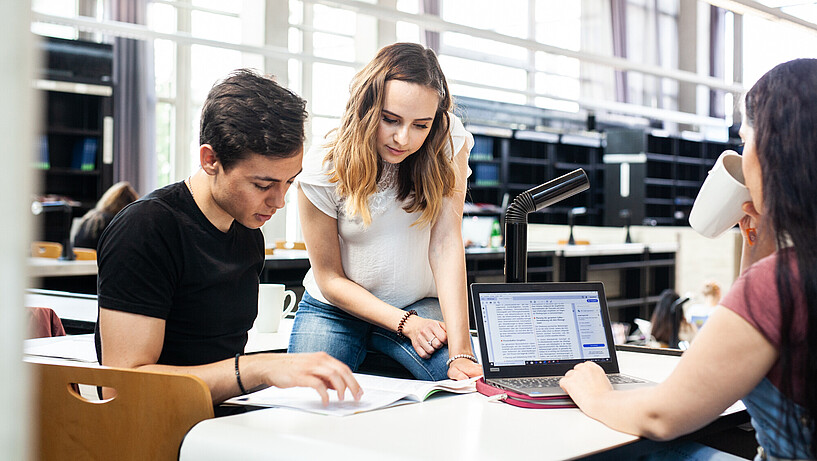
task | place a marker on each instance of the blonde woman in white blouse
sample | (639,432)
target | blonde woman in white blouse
(381,208)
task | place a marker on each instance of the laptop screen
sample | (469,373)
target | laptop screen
(540,329)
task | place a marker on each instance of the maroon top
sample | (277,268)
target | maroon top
(44,323)
(754,297)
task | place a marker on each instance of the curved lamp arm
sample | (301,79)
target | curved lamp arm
(516,218)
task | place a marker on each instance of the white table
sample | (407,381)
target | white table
(59,349)
(80,348)
(468,427)
(49,267)
(68,306)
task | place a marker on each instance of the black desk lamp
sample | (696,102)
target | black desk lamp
(38,208)
(516,218)
(579,210)
(627,217)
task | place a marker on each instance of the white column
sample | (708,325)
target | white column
(184,118)
(687,53)
(531,71)
(276,33)
(386,30)
(17,130)
(737,60)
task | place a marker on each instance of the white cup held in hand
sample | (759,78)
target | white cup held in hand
(272,306)
(719,205)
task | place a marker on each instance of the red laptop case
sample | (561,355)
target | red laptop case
(522,400)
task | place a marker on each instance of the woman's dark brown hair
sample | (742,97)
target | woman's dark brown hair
(782,109)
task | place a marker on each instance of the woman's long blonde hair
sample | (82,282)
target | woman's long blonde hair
(426,176)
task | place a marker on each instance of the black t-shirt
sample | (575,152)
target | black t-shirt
(161,257)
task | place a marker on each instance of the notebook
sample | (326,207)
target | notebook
(531,334)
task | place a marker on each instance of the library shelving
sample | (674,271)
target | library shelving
(74,151)
(663,174)
(511,161)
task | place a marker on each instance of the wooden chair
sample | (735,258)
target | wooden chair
(84,254)
(46,249)
(284,245)
(147,419)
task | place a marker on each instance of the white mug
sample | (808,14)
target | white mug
(719,205)
(271,299)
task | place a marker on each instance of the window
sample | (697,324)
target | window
(548,53)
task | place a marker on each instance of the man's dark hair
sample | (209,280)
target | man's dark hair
(248,113)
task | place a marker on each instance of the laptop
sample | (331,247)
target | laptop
(531,334)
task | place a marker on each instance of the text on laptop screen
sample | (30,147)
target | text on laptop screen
(551,327)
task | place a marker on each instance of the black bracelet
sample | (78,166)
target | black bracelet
(238,375)
(403,322)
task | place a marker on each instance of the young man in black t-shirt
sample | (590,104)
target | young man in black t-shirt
(178,269)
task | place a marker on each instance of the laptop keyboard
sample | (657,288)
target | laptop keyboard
(553,381)
(547,381)
(624,379)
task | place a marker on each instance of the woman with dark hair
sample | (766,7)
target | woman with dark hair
(662,321)
(381,206)
(760,344)
(96,220)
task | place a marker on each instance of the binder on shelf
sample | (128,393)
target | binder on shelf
(84,155)
(89,154)
(483,149)
(42,162)
(486,175)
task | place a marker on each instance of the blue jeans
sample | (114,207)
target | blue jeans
(665,451)
(323,327)
(690,451)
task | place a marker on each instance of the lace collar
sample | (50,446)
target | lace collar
(388,177)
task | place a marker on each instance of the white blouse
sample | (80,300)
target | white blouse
(389,258)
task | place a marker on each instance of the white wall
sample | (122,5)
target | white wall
(16,128)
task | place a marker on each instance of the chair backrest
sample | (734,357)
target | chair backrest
(147,419)
(84,254)
(46,249)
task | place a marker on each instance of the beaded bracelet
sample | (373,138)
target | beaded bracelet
(403,322)
(460,356)
(238,375)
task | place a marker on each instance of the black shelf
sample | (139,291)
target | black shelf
(71,171)
(72,131)
(665,174)
(521,147)
(527,147)
(77,95)
(527,161)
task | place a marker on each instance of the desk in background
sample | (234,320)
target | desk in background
(634,274)
(80,348)
(77,311)
(71,276)
(50,267)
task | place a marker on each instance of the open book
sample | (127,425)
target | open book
(378,392)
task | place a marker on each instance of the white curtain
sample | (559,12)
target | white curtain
(134,102)
(597,81)
(717,45)
(644,31)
